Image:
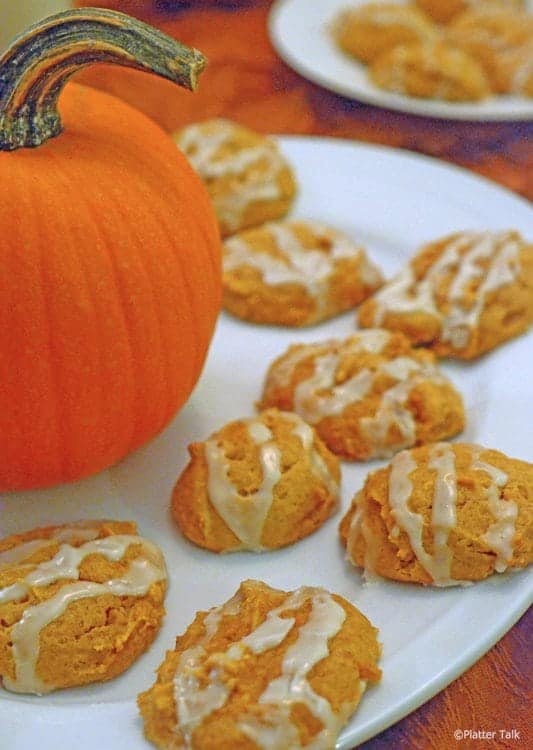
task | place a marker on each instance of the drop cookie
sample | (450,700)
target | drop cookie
(246,175)
(366,31)
(266,669)
(367,396)
(514,72)
(443,11)
(256,484)
(78,604)
(295,273)
(461,295)
(443,514)
(430,70)
(488,33)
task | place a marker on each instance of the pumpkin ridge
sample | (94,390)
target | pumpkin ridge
(54,446)
(59,423)
(196,344)
(117,447)
(128,328)
(98,228)
(212,291)
(162,348)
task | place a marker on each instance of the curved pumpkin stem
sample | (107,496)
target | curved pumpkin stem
(40,61)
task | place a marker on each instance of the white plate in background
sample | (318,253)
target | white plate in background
(392,201)
(299,30)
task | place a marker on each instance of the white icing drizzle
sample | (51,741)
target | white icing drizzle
(319,395)
(500,535)
(291,687)
(443,513)
(79,530)
(355,528)
(392,410)
(281,372)
(359,527)
(213,155)
(461,256)
(245,515)
(398,16)
(523,71)
(142,572)
(319,467)
(311,267)
(195,703)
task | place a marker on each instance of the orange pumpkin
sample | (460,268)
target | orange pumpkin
(110,280)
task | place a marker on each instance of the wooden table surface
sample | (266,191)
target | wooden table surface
(246,81)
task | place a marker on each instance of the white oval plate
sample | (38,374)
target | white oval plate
(392,201)
(299,32)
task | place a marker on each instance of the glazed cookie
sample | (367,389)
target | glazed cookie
(443,11)
(266,669)
(295,273)
(443,514)
(257,484)
(246,175)
(78,604)
(430,70)
(366,31)
(514,73)
(487,34)
(368,396)
(461,295)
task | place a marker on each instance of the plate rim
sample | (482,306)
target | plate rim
(416,107)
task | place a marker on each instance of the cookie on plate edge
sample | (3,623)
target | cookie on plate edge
(266,669)
(443,514)
(461,295)
(78,604)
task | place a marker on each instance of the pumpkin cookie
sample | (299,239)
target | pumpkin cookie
(514,72)
(266,669)
(430,70)
(368,396)
(295,273)
(443,514)
(365,32)
(247,177)
(443,11)
(78,604)
(461,295)
(487,34)
(257,484)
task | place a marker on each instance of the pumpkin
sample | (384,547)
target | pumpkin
(110,280)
